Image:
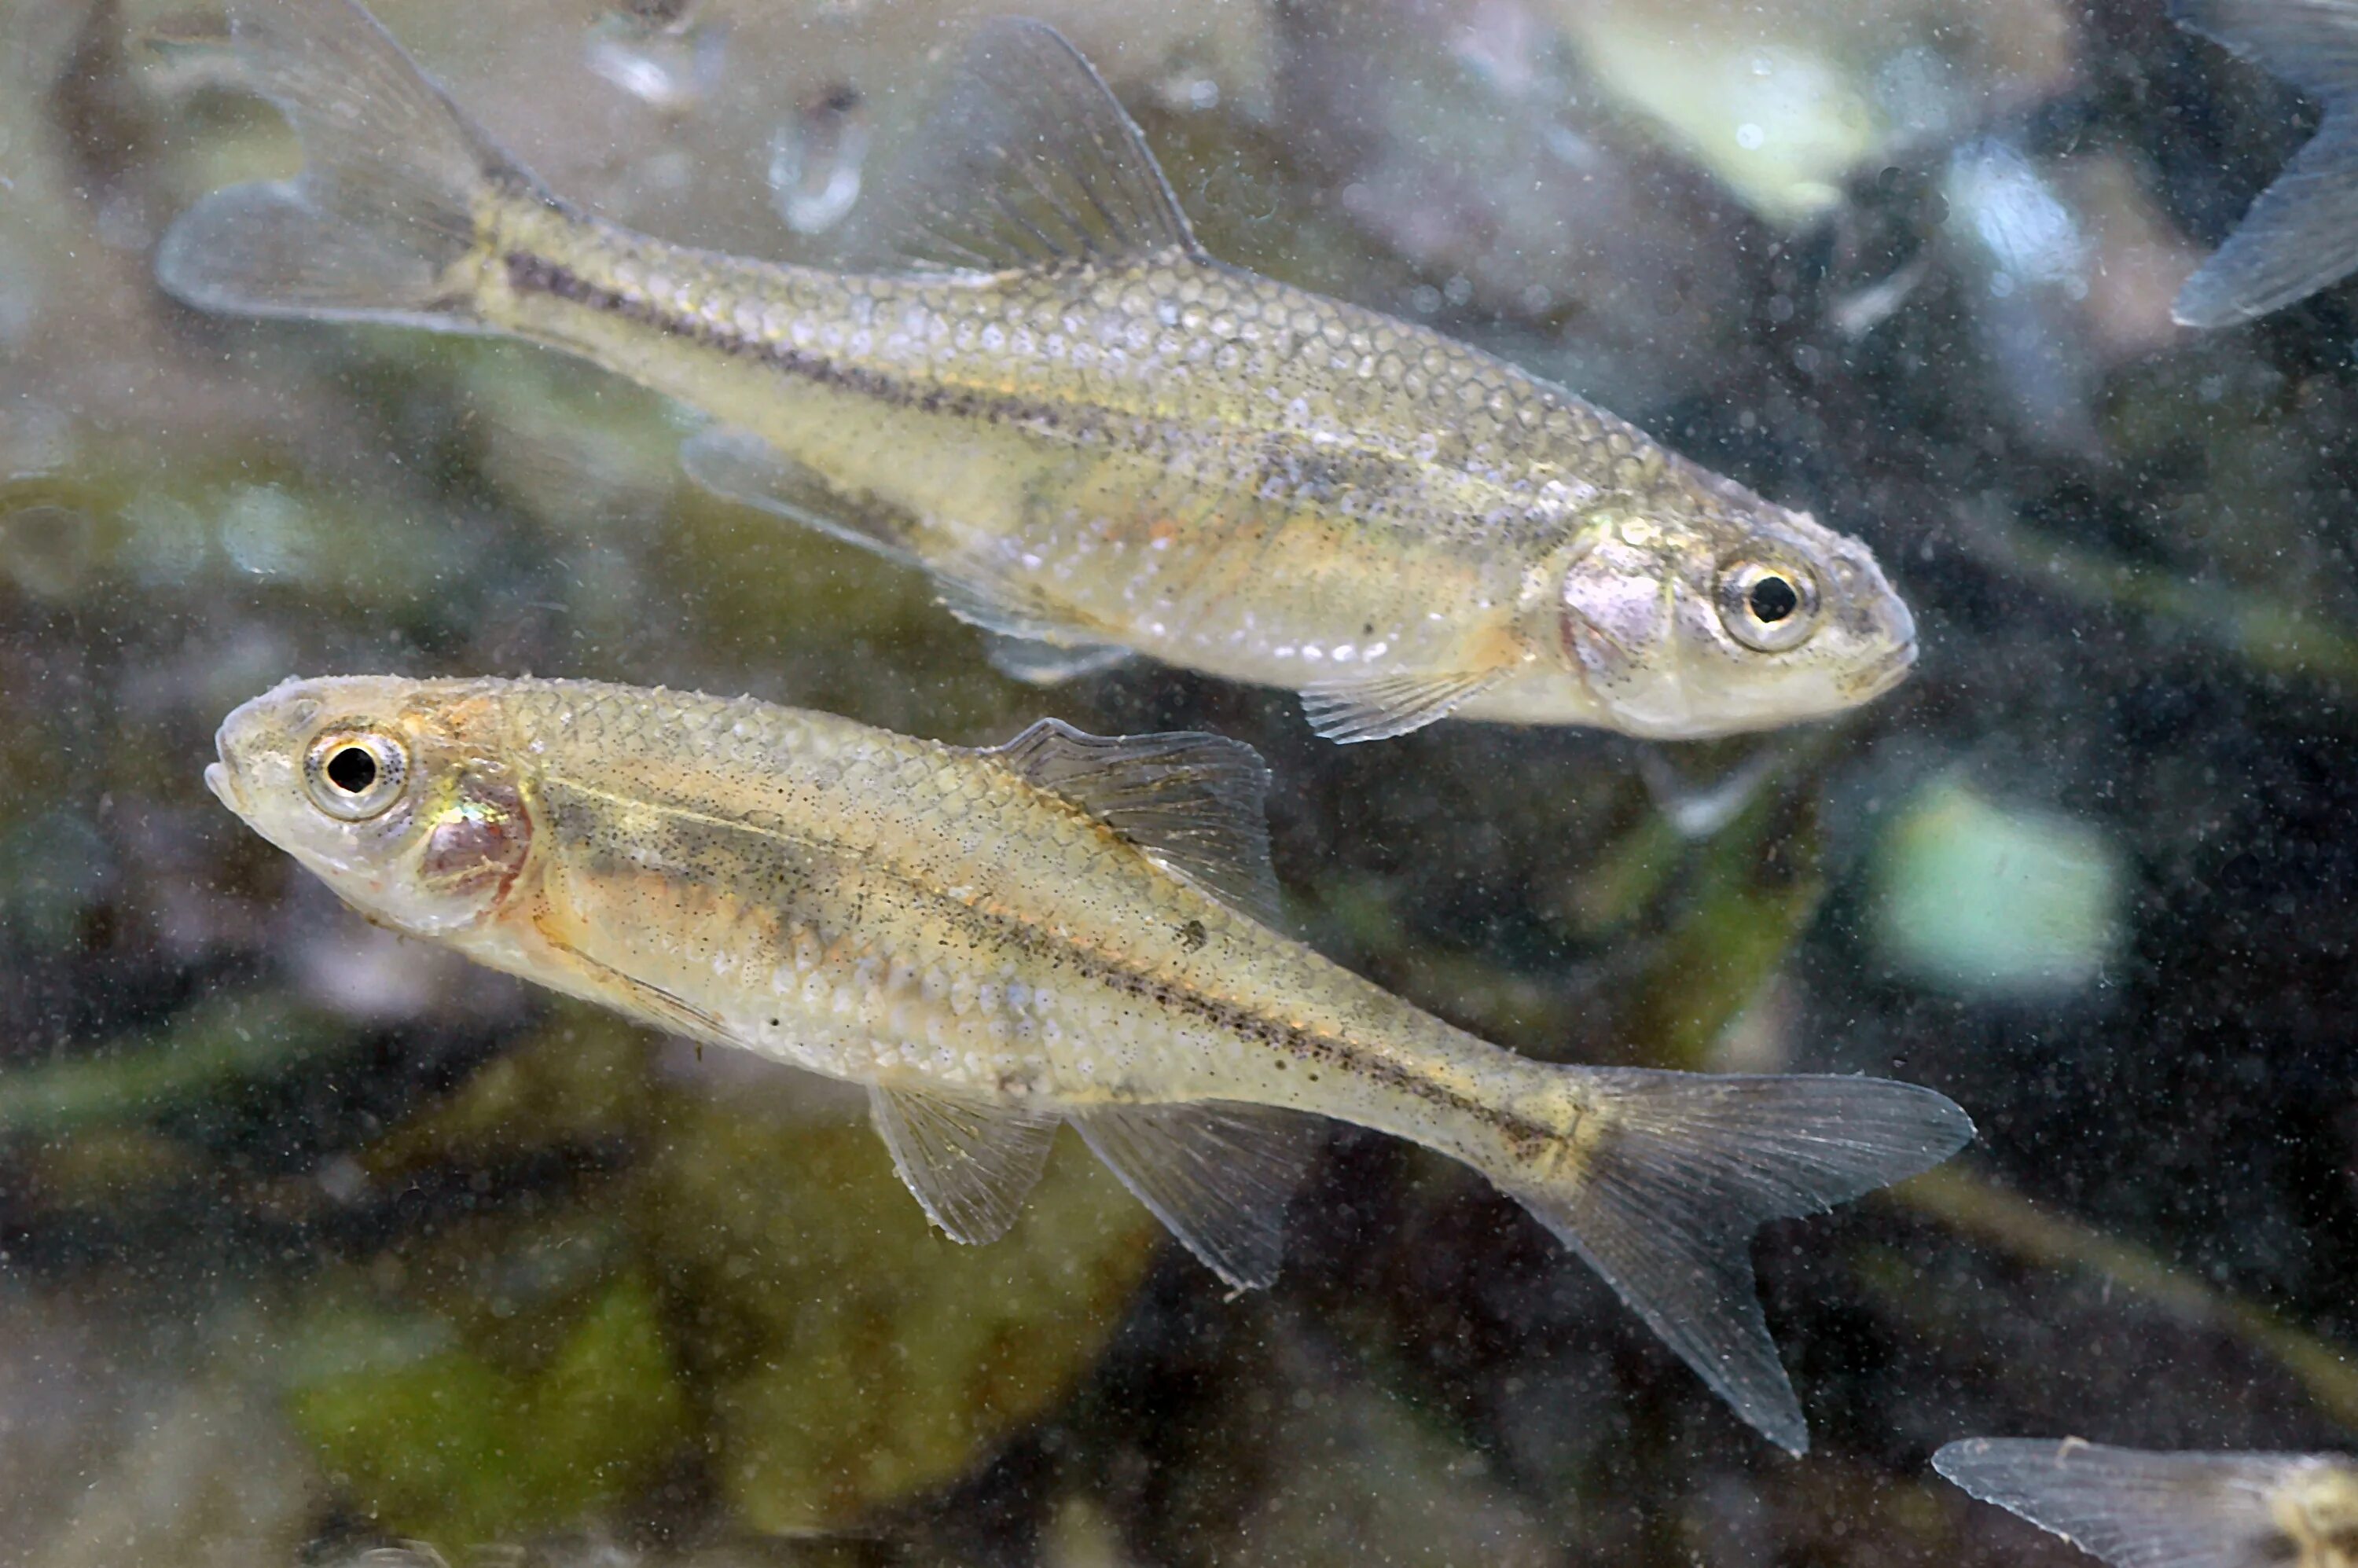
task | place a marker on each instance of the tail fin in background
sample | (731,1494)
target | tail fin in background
(385,205)
(2135,1509)
(2302,232)
(1664,1197)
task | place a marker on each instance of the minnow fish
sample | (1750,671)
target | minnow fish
(2137,1510)
(1096,438)
(2301,233)
(1068,927)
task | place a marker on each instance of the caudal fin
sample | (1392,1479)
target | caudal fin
(2302,232)
(384,212)
(2161,1510)
(1675,1171)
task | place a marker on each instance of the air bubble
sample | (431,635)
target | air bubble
(815,162)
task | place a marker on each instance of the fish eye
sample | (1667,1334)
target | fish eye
(1770,606)
(354,774)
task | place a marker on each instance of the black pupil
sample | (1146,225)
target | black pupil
(351,770)
(1773,599)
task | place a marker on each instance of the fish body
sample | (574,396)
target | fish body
(997,941)
(1096,439)
(2140,1509)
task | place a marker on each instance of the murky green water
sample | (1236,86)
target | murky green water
(313,1240)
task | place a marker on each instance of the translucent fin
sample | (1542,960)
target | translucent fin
(1029,162)
(2149,1510)
(2302,232)
(651,1005)
(1191,801)
(1217,1174)
(968,1163)
(744,467)
(1050,664)
(1009,609)
(1381,706)
(375,225)
(1677,1169)
(2313,44)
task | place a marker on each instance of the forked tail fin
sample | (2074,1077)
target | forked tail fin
(384,210)
(1672,1174)
(2302,232)
(2135,1509)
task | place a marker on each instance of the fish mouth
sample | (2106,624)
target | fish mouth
(1884,674)
(224,788)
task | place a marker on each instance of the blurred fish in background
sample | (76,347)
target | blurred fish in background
(2301,234)
(2135,1509)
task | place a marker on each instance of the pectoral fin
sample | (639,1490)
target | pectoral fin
(968,1163)
(1376,708)
(1219,1175)
(744,467)
(651,1005)
(1191,801)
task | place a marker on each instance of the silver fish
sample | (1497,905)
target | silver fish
(1060,929)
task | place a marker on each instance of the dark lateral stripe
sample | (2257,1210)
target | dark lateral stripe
(683,855)
(530,274)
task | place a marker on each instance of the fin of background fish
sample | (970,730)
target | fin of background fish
(2137,1510)
(1218,1176)
(384,206)
(2302,232)
(1190,800)
(744,467)
(1029,161)
(1381,706)
(1050,664)
(968,1164)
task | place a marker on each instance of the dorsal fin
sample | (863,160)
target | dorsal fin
(1029,162)
(1191,801)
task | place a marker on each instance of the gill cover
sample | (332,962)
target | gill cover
(1619,605)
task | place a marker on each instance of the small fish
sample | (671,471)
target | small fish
(1066,928)
(2137,1510)
(1097,440)
(2302,232)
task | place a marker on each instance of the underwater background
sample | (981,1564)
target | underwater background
(314,1241)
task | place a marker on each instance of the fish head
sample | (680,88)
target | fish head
(391,791)
(1737,615)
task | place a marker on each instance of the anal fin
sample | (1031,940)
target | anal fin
(1379,707)
(1191,801)
(1219,1175)
(744,467)
(968,1163)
